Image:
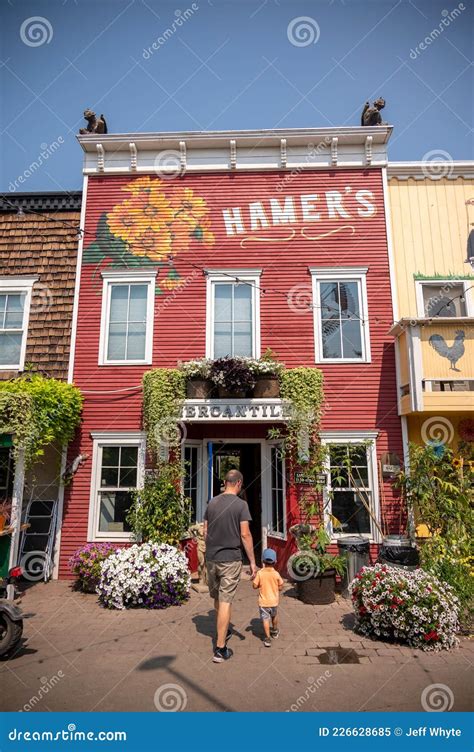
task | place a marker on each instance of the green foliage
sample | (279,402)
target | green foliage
(164,391)
(303,387)
(440,495)
(312,559)
(159,513)
(39,411)
(302,390)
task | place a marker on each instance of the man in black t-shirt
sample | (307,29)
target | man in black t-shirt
(226,529)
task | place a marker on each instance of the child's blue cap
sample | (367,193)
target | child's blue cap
(269,556)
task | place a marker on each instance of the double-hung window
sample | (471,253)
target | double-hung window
(233,313)
(351,495)
(127,318)
(340,315)
(118,468)
(15,300)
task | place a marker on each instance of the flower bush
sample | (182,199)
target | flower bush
(413,607)
(232,374)
(196,369)
(150,575)
(85,564)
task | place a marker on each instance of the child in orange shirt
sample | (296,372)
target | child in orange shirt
(269,583)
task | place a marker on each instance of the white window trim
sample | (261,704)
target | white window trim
(24,286)
(100,440)
(197,444)
(114,277)
(225,275)
(267,491)
(467,290)
(339,274)
(354,437)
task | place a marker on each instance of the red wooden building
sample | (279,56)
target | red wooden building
(207,244)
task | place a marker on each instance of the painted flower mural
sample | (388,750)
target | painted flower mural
(156,222)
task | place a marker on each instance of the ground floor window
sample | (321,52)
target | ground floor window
(351,489)
(117,471)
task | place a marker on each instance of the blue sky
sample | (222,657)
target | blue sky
(231,64)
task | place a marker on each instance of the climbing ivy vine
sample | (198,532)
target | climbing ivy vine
(38,411)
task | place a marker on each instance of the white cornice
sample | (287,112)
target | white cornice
(431,170)
(206,151)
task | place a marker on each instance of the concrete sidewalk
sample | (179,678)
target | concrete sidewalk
(79,657)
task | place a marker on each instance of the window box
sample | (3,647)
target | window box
(199,388)
(266,386)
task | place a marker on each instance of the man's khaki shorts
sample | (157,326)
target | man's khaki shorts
(223,578)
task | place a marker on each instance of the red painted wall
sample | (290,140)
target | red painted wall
(358,396)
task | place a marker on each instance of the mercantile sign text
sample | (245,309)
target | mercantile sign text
(235,410)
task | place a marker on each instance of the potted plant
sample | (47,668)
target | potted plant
(198,382)
(266,371)
(232,377)
(314,570)
(5,512)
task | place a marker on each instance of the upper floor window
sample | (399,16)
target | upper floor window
(340,315)
(443,298)
(15,299)
(127,318)
(233,313)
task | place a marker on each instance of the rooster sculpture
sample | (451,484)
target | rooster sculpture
(453,353)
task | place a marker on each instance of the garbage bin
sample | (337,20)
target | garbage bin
(356,550)
(399,552)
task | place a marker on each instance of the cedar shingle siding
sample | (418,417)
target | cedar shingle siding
(35,245)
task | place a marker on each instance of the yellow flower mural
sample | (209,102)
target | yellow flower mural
(157,221)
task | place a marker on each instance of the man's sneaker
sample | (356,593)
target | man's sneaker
(267,642)
(221,655)
(275,633)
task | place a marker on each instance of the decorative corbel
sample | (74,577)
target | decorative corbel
(368,149)
(100,158)
(233,154)
(182,155)
(334,150)
(283,152)
(133,157)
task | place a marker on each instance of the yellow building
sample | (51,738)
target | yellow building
(432,220)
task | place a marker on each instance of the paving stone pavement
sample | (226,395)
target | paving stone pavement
(79,657)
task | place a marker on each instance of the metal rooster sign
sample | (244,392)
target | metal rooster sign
(454,352)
